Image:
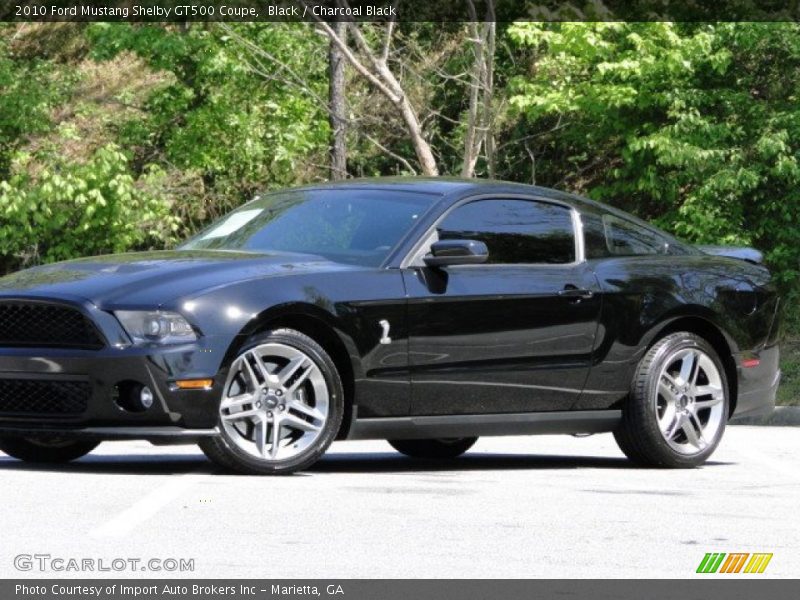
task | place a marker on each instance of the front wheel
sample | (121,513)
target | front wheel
(434,448)
(281,406)
(46,449)
(678,406)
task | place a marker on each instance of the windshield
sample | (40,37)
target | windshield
(348,225)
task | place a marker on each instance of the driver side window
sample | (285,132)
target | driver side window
(515,231)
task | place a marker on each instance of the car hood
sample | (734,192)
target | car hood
(154,278)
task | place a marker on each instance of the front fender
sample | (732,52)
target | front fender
(351,302)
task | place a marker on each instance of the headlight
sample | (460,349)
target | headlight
(156,327)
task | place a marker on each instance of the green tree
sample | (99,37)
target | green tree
(80,209)
(26,96)
(696,126)
(235,126)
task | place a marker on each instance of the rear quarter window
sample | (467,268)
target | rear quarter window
(624,238)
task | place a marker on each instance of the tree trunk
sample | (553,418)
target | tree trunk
(378,73)
(488,91)
(480,131)
(422,148)
(337,114)
(472,138)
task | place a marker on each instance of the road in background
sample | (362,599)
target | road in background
(513,507)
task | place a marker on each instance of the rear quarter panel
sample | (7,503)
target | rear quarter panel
(643,295)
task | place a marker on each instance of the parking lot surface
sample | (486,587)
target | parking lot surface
(548,506)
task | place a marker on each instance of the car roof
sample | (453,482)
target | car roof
(455,188)
(439,186)
(451,189)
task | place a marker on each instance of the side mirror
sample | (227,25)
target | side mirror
(456,252)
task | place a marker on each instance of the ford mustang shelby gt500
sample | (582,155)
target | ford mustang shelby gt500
(422,311)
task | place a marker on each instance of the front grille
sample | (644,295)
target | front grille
(40,397)
(46,325)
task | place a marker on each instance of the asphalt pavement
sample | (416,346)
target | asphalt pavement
(546,506)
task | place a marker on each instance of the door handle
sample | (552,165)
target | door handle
(576,293)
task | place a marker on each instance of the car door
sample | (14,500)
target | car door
(514,334)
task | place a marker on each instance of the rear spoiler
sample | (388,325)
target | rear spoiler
(751,255)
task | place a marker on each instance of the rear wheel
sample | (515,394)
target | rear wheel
(281,406)
(46,449)
(678,406)
(435,448)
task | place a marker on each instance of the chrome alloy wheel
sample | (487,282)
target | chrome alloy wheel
(689,401)
(275,402)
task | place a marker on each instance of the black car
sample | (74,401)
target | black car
(422,311)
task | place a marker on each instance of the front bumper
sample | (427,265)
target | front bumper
(173,410)
(175,413)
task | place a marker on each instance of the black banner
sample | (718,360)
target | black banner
(399,10)
(399,589)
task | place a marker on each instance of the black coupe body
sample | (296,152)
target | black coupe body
(422,311)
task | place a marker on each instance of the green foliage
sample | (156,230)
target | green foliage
(203,122)
(25,97)
(114,134)
(81,209)
(227,116)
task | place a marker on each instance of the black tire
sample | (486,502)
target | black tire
(46,450)
(638,434)
(444,448)
(225,453)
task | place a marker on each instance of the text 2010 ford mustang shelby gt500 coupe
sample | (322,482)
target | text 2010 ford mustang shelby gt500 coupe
(423,311)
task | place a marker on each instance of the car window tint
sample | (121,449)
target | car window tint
(515,231)
(594,236)
(628,239)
